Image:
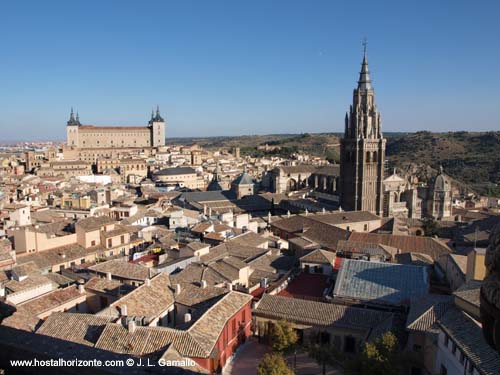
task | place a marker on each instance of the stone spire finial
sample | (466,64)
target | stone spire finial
(364,76)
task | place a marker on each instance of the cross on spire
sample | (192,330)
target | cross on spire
(365,43)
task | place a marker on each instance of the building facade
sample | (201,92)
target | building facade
(362,150)
(99,138)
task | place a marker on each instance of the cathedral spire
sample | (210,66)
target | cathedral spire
(364,82)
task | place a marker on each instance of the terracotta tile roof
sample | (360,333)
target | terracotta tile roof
(103,285)
(25,269)
(94,222)
(198,341)
(83,329)
(31,282)
(325,235)
(241,251)
(319,256)
(470,292)
(416,244)
(460,261)
(22,319)
(148,341)
(63,254)
(424,312)
(365,248)
(303,311)
(208,328)
(249,238)
(52,300)
(193,295)
(123,269)
(145,301)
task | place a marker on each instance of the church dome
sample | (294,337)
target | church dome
(442,182)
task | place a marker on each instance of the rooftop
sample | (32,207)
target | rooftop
(383,282)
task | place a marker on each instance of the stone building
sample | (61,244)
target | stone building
(407,197)
(90,141)
(362,150)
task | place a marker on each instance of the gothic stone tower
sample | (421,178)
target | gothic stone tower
(362,150)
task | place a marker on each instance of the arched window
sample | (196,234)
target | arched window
(367,156)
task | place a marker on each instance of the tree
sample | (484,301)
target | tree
(282,336)
(379,357)
(324,355)
(273,364)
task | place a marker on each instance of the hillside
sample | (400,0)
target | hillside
(469,157)
(472,158)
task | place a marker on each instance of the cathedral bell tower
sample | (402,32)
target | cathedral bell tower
(362,150)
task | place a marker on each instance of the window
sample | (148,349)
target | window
(122,239)
(349,344)
(92,243)
(244,315)
(366,227)
(110,242)
(233,327)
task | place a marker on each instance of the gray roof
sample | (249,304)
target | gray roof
(207,196)
(243,179)
(380,282)
(470,292)
(175,171)
(467,334)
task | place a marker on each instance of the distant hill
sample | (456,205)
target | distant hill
(470,157)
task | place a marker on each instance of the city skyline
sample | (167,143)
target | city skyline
(234,69)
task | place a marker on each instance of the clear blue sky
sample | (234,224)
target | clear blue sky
(246,67)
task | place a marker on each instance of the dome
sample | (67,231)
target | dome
(442,183)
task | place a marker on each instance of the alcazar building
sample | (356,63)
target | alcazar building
(90,142)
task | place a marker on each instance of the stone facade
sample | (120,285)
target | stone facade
(99,138)
(362,150)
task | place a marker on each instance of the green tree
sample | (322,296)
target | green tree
(273,364)
(282,337)
(379,357)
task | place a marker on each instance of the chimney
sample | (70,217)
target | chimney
(81,288)
(229,286)
(203,284)
(148,282)
(124,311)
(131,326)
(177,289)
(187,317)
(108,275)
